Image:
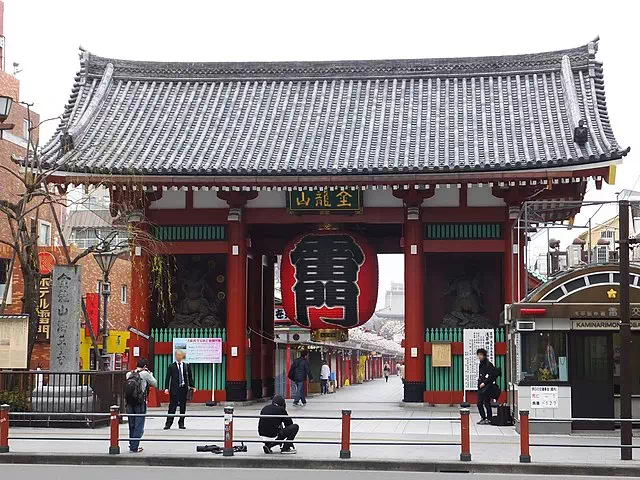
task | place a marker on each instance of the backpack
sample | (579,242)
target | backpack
(134,391)
(291,374)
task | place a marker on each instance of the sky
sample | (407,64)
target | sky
(44,36)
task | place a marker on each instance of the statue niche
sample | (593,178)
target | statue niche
(467,309)
(197,305)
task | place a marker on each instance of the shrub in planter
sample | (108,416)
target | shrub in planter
(18,401)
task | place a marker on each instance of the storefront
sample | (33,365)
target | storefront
(565,349)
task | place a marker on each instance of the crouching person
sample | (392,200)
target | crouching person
(278,426)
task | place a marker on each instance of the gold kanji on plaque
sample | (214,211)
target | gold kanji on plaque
(344,199)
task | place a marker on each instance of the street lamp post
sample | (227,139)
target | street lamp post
(105,260)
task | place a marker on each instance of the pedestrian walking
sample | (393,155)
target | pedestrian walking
(278,426)
(298,373)
(179,385)
(401,371)
(386,370)
(487,387)
(136,389)
(325,374)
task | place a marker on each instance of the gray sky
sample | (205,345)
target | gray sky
(44,35)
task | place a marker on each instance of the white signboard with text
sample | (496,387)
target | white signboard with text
(14,336)
(544,397)
(200,350)
(473,340)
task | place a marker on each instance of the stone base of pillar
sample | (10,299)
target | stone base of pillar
(256,386)
(414,392)
(236,391)
(269,387)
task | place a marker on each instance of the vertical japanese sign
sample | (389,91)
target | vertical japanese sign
(44,310)
(47,261)
(65,318)
(473,340)
(325,200)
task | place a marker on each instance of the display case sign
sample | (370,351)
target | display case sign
(475,339)
(325,201)
(200,350)
(543,396)
(14,335)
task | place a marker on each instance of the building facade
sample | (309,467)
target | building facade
(222,164)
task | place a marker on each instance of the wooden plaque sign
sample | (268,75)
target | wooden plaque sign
(441,354)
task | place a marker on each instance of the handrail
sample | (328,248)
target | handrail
(345,441)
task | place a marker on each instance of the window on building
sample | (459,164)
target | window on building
(26,127)
(5,281)
(44,233)
(123,293)
(609,233)
(544,357)
(99,286)
(602,254)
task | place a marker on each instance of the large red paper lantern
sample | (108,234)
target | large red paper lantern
(329,279)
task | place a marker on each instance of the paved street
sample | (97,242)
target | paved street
(57,472)
(374,399)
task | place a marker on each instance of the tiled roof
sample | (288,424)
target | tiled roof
(318,118)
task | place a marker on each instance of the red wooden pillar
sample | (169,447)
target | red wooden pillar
(414,273)
(237,312)
(140,299)
(268,340)
(254,307)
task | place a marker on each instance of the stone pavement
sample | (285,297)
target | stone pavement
(373,399)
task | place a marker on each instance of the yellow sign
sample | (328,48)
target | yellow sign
(325,201)
(441,354)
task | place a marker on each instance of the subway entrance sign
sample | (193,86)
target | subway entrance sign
(325,201)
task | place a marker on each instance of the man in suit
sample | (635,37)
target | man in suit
(177,384)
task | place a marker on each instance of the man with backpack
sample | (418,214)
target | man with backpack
(488,389)
(136,388)
(298,373)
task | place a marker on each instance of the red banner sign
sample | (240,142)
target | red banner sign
(92,301)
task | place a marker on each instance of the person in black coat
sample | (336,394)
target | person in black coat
(298,373)
(280,426)
(487,386)
(178,383)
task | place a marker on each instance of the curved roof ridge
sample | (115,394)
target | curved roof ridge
(124,68)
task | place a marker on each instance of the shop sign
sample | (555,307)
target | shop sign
(92,302)
(612,325)
(325,201)
(279,315)
(200,350)
(330,335)
(44,310)
(544,397)
(473,340)
(441,355)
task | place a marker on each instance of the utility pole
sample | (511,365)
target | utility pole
(626,434)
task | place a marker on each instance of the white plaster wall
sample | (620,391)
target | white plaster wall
(171,199)
(482,197)
(208,199)
(444,197)
(265,199)
(380,198)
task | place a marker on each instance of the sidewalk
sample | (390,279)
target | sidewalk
(489,445)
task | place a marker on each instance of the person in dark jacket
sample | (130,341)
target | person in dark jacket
(178,383)
(486,386)
(298,373)
(280,426)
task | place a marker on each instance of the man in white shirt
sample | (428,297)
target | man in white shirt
(325,374)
